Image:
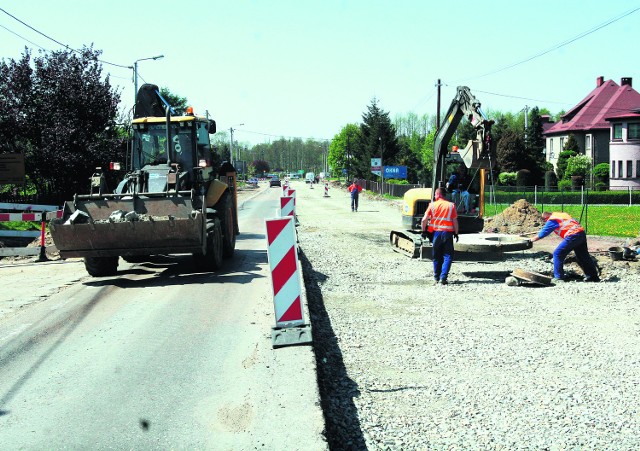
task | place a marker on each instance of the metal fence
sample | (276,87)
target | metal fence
(540,195)
(533,194)
(391,189)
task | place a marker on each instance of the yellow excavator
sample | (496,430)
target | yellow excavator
(172,200)
(476,157)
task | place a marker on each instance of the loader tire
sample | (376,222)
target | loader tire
(212,260)
(101,266)
(227,216)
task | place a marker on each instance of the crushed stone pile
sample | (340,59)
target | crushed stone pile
(518,219)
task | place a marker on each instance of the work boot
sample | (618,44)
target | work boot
(444,282)
(591,279)
(556,281)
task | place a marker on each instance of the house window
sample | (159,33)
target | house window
(617,131)
(613,169)
(638,168)
(634,131)
(620,169)
(561,144)
(587,144)
(629,169)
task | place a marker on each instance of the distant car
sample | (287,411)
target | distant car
(275,181)
(252,181)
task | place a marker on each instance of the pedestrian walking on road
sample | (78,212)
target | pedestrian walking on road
(574,239)
(441,219)
(355,189)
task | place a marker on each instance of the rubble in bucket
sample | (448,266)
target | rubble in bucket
(518,219)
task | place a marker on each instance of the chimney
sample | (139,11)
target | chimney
(625,81)
(599,81)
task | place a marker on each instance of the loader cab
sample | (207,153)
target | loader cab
(190,149)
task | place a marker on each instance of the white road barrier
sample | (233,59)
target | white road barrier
(30,213)
(282,251)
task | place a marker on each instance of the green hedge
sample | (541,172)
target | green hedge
(567,197)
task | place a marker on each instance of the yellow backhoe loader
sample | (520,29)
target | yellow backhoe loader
(170,201)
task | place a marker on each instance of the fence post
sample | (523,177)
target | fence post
(629,188)
(535,195)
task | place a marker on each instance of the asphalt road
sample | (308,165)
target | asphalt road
(157,357)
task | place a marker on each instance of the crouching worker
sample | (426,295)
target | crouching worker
(442,220)
(573,239)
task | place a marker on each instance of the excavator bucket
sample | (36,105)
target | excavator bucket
(134,226)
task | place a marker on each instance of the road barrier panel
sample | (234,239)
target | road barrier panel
(326,190)
(282,251)
(287,207)
(40,213)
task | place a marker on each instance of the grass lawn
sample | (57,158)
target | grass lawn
(600,220)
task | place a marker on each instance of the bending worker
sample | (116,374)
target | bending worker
(573,239)
(442,220)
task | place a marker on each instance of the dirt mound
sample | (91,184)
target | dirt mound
(519,218)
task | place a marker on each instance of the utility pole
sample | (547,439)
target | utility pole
(381,165)
(438,107)
(526,123)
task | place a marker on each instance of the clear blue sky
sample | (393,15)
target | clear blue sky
(307,68)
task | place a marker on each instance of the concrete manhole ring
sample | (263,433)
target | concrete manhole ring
(532,277)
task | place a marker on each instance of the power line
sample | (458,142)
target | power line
(555,47)
(521,98)
(282,136)
(22,37)
(57,42)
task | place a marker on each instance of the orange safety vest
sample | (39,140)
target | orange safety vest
(442,214)
(568,225)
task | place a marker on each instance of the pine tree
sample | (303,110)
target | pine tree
(378,139)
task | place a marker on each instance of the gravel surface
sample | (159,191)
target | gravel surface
(477,364)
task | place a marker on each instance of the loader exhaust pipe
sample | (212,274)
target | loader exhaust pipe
(168,120)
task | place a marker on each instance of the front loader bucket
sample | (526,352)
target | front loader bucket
(164,225)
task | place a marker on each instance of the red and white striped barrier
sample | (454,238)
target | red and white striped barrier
(326,190)
(287,207)
(19,217)
(46,212)
(285,274)
(291,193)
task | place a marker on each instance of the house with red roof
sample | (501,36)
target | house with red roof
(624,150)
(596,135)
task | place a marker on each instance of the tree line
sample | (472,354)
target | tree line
(62,114)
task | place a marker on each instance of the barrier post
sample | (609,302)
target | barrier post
(282,252)
(326,190)
(43,254)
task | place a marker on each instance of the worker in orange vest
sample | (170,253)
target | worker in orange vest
(574,239)
(441,219)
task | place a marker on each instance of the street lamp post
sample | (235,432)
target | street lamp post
(135,75)
(231,130)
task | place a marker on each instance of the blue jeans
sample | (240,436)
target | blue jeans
(354,203)
(578,244)
(442,254)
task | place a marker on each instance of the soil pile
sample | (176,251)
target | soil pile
(519,218)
